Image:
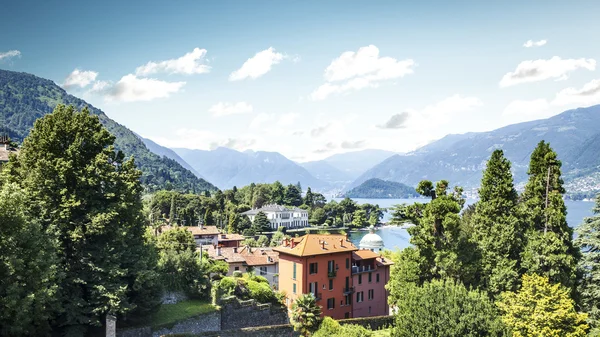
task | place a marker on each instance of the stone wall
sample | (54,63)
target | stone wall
(208,322)
(242,314)
(285,330)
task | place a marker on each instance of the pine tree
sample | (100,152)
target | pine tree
(89,201)
(308,198)
(277,193)
(261,223)
(293,196)
(27,271)
(208,218)
(234,222)
(588,241)
(497,230)
(549,248)
(172,213)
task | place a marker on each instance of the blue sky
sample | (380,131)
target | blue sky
(310,78)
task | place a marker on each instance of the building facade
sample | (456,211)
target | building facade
(321,265)
(281,216)
(370,274)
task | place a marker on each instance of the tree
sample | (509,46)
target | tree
(27,270)
(331,328)
(293,196)
(277,193)
(445,308)
(496,229)
(308,198)
(277,238)
(262,195)
(305,315)
(359,218)
(317,217)
(263,241)
(178,239)
(549,249)
(208,218)
(541,309)
(244,224)
(588,241)
(234,223)
(89,201)
(261,223)
(406,272)
(172,214)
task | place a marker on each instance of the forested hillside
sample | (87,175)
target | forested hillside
(24,98)
(377,188)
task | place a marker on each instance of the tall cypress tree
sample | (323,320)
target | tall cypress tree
(549,250)
(89,201)
(496,228)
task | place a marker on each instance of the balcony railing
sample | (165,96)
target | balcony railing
(362,269)
(331,273)
(348,290)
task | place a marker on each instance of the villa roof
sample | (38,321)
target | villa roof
(364,254)
(274,208)
(316,244)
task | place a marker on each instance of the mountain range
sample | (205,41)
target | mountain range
(24,98)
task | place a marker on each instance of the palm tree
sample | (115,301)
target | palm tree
(306,314)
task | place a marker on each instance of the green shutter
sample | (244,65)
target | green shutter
(294,275)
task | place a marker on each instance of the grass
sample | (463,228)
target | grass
(382,333)
(169,314)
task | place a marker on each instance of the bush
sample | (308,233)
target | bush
(331,328)
(237,274)
(261,292)
(258,278)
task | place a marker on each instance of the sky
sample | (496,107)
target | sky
(310,79)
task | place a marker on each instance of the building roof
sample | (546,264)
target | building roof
(231,237)
(371,240)
(382,261)
(227,254)
(259,256)
(364,254)
(274,208)
(316,244)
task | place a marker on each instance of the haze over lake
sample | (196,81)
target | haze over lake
(398,238)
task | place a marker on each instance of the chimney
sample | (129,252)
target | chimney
(218,251)
(287,242)
(323,244)
(293,243)
(341,243)
(235,249)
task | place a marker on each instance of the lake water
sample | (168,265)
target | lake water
(398,238)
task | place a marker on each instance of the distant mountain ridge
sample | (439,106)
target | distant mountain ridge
(227,168)
(375,188)
(24,98)
(574,135)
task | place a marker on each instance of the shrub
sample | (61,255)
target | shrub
(237,274)
(258,278)
(261,292)
(331,328)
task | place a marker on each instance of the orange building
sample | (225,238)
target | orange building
(318,264)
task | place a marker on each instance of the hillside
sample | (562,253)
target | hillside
(227,168)
(381,189)
(324,171)
(355,163)
(24,98)
(574,134)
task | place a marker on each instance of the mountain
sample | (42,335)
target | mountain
(352,164)
(227,168)
(166,152)
(382,189)
(324,171)
(24,98)
(574,135)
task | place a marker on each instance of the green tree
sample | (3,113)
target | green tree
(445,308)
(317,217)
(261,196)
(305,314)
(331,328)
(178,239)
(541,309)
(588,241)
(172,210)
(497,230)
(277,238)
(308,198)
(359,219)
(89,200)
(277,193)
(263,241)
(208,218)
(234,223)
(549,249)
(293,196)
(406,272)
(27,269)
(261,223)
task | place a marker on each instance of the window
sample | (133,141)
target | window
(330,284)
(236,268)
(370,278)
(294,272)
(371,294)
(330,266)
(313,287)
(347,300)
(263,271)
(347,263)
(313,268)
(360,297)
(377,277)
(359,278)
(294,288)
(330,303)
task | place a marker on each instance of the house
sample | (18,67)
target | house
(230,240)
(203,235)
(229,255)
(347,282)
(281,216)
(321,265)
(370,274)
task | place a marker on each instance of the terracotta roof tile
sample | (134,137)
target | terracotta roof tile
(364,254)
(231,237)
(317,244)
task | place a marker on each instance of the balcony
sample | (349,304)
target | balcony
(331,273)
(362,269)
(318,296)
(348,291)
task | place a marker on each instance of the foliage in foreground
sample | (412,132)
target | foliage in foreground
(305,314)
(331,328)
(541,309)
(445,308)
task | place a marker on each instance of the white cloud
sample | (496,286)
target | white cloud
(451,105)
(539,70)
(131,88)
(189,64)
(203,140)
(524,108)
(531,43)
(364,68)
(258,65)
(9,54)
(80,78)
(588,94)
(226,108)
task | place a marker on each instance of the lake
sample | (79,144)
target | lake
(398,238)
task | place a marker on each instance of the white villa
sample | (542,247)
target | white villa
(282,216)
